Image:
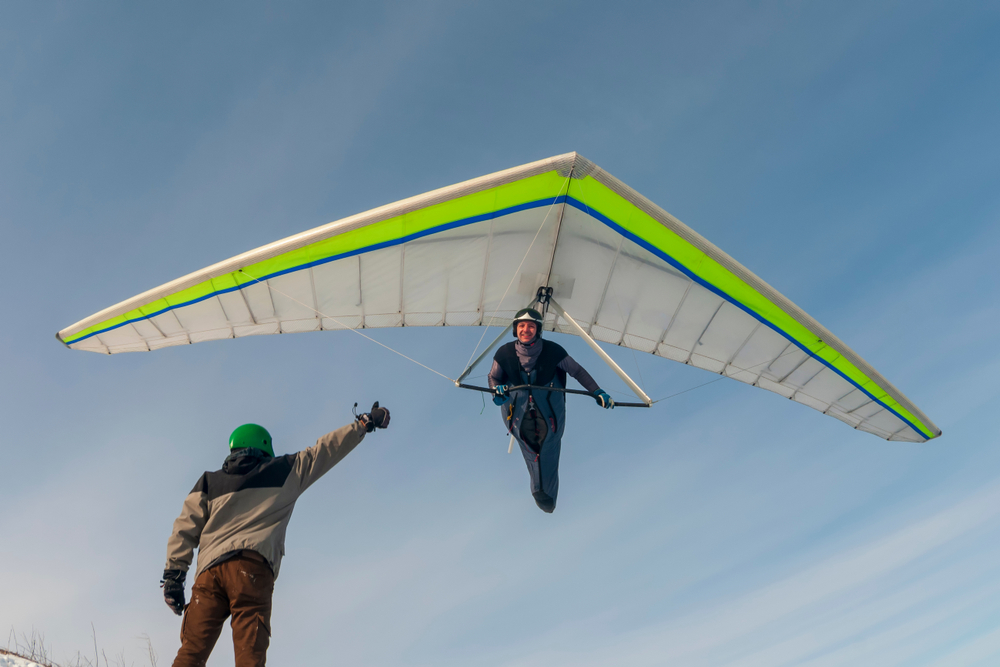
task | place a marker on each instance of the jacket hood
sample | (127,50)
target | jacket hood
(242,461)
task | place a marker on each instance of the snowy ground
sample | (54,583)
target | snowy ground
(10,660)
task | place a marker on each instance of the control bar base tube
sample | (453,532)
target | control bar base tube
(487,350)
(561,390)
(480,357)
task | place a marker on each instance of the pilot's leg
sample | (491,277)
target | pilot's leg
(541,458)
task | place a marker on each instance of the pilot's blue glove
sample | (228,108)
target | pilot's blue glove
(500,395)
(603,399)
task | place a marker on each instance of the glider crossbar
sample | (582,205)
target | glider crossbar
(602,354)
(561,390)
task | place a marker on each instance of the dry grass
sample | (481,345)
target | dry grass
(33,648)
(28,647)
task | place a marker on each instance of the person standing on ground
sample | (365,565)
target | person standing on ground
(536,418)
(236,517)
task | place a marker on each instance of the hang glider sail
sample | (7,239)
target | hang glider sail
(474,253)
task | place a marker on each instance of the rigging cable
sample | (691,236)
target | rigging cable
(330,317)
(518,269)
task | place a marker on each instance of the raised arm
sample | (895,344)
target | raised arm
(312,463)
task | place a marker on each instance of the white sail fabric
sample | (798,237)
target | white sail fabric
(558,222)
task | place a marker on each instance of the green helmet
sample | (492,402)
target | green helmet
(251,435)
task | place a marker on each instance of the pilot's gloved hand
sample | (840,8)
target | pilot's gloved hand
(500,395)
(173,590)
(603,399)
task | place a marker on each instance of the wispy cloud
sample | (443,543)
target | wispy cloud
(833,603)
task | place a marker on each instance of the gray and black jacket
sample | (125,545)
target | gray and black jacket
(248,503)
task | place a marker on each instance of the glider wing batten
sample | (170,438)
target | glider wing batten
(530,192)
(114,315)
(214,287)
(433,259)
(817,349)
(677,245)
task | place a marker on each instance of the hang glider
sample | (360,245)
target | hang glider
(621,270)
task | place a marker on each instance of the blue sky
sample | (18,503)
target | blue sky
(847,153)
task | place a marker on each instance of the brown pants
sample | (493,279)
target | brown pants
(241,587)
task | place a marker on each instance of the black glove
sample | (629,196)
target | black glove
(173,590)
(377,418)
